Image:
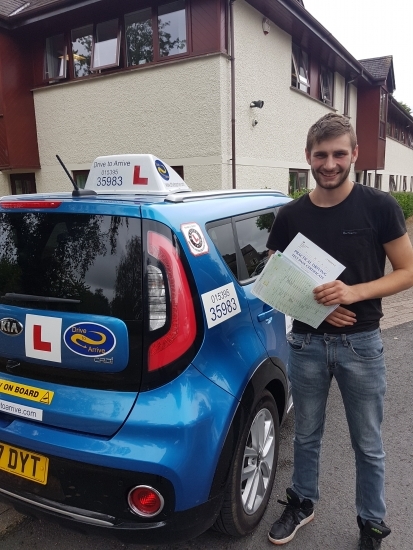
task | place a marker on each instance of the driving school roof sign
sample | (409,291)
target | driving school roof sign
(133,174)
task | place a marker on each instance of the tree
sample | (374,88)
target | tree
(405,107)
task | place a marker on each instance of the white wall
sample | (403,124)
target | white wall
(173,111)
(399,162)
(267,151)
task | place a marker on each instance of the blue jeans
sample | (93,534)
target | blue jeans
(357,363)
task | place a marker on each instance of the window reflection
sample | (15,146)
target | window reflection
(172,28)
(139,37)
(82,39)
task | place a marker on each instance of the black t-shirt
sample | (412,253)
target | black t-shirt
(353,232)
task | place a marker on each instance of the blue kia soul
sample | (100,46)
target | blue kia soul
(142,385)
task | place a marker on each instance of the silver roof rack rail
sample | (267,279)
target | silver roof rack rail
(219,193)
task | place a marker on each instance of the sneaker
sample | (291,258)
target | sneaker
(371,534)
(295,515)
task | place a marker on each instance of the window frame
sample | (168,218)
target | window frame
(297,171)
(65,59)
(29,177)
(297,64)
(325,71)
(118,45)
(242,277)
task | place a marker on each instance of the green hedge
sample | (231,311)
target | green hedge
(405,199)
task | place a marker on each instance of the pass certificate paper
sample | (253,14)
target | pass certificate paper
(288,279)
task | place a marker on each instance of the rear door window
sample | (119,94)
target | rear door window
(242,242)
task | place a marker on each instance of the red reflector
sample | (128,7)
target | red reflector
(182,332)
(145,501)
(30,204)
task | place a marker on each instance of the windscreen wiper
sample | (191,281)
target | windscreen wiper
(33,298)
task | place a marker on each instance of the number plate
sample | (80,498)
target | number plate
(220,304)
(24,463)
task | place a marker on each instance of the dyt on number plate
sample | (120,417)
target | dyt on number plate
(24,463)
(220,304)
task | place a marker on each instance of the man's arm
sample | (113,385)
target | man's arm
(400,253)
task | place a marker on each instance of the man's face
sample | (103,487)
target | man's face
(331,161)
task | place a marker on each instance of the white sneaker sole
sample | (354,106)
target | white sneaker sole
(287,539)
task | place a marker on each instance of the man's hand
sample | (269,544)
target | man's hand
(341,317)
(336,292)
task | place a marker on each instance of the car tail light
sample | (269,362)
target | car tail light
(30,204)
(182,331)
(145,501)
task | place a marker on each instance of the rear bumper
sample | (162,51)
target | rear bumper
(178,527)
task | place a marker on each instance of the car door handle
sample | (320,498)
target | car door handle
(265,314)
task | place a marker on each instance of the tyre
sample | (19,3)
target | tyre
(253,471)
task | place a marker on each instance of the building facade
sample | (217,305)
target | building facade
(222,91)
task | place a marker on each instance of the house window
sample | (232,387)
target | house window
(106,45)
(55,58)
(326,86)
(82,40)
(404,183)
(22,184)
(80,177)
(383,113)
(298,180)
(299,69)
(392,184)
(358,177)
(172,28)
(369,179)
(139,37)
(411,183)
(179,170)
(377,181)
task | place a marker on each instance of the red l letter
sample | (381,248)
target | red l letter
(37,339)
(137,180)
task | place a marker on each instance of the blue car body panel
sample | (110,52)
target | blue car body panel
(179,429)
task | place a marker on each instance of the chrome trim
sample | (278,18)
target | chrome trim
(73,515)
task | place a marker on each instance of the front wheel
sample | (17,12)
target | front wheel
(253,471)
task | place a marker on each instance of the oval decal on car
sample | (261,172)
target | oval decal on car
(10,326)
(89,339)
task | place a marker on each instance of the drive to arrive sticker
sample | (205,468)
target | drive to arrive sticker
(21,410)
(26,392)
(220,304)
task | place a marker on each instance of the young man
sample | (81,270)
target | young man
(358,226)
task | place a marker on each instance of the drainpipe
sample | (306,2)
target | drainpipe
(232,59)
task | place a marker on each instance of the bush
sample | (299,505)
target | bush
(405,200)
(299,193)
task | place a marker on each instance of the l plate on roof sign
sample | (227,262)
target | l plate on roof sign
(133,174)
(195,238)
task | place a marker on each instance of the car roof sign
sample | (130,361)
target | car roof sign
(138,174)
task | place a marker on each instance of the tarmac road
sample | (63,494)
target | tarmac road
(334,527)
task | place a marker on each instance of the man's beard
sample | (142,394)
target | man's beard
(343,177)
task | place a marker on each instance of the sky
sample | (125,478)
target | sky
(373,28)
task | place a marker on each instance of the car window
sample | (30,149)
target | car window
(252,234)
(223,238)
(244,250)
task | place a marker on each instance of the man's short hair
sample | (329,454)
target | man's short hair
(330,126)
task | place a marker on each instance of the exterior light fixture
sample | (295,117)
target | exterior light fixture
(266,26)
(259,104)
